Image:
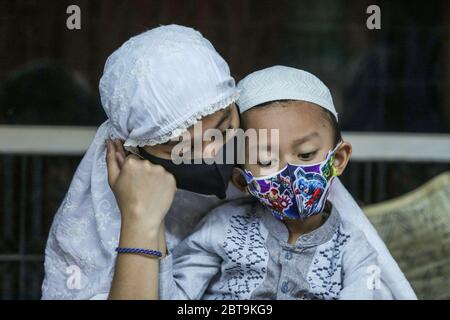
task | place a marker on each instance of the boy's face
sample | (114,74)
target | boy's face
(305,136)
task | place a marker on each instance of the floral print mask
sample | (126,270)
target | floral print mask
(296,191)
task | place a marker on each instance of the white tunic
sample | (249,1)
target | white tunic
(240,251)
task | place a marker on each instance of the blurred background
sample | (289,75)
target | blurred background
(390,86)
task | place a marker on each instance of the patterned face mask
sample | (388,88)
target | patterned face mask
(296,191)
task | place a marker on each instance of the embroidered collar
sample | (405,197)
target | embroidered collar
(314,238)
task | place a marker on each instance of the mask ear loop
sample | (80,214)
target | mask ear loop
(245,175)
(137,154)
(133,150)
(333,152)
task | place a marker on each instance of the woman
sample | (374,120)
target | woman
(154,88)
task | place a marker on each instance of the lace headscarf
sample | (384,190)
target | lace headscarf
(155,86)
(159,83)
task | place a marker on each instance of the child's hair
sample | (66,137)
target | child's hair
(331,118)
(335,127)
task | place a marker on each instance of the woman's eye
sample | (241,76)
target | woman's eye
(306,156)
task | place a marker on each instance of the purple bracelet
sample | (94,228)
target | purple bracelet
(147,252)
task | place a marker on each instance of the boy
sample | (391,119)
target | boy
(291,242)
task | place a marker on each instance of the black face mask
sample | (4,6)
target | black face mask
(209,179)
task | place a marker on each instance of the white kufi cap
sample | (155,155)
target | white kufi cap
(283,83)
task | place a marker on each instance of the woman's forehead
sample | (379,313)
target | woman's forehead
(214,120)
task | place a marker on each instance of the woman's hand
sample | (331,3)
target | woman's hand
(144,191)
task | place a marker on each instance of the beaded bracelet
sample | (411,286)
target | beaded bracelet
(147,252)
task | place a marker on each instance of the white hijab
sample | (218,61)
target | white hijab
(391,275)
(154,87)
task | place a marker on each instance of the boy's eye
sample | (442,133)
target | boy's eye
(306,156)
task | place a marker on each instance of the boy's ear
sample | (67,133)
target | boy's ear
(238,180)
(342,156)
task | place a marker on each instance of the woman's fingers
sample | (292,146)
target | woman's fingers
(120,159)
(119,147)
(112,163)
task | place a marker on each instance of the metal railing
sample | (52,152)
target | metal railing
(65,140)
